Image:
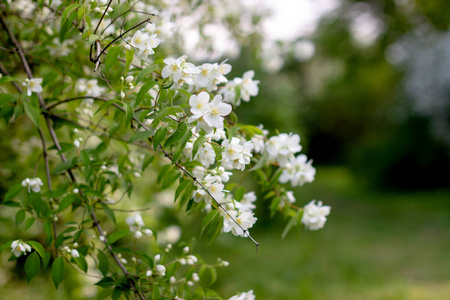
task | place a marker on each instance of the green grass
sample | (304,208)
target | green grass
(375,245)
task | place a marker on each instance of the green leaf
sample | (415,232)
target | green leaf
(20,216)
(81,263)
(66,202)
(198,142)
(177,135)
(13,192)
(67,11)
(172,110)
(159,137)
(58,269)
(111,57)
(106,282)
(181,187)
(181,146)
(162,172)
(93,38)
(103,264)
(141,135)
(129,59)
(144,90)
(48,233)
(212,225)
(213,273)
(32,112)
(155,292)
(28,223)
(65,166)
(170,178)
(32,265)
(107,104)
(109,212)
(38,247)
(117,236)
(239,194)
(128,113)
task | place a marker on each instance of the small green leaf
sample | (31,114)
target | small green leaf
(106,282)
(111,57)
(81,263)
(66,202)
(93,38)
(170,178)
(162,173)
(177,135)
(181,187)
(12,192)
(129,59)
(117,236)
(32,112)
(58,269)
(103,264)
(32,265)
(20,216)
(67,11)
(198,142)
(109,212)
(141,135)
(28,223)
(107,104)
(181,146)
(38,247)
(144,90)
(155,292)
(128,113)
(159,137)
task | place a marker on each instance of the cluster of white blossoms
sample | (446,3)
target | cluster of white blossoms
(314,215)
(244,296)
(18,247)
(246,85)
(73,252)
(180,70)
(33,85)
(238,216)
(298,171)
(33,184)
(90,87)
(144,44)
(236,153)
(282,147)
(209,115)
(136,223)
(211,75)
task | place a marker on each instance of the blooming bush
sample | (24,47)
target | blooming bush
(113,101)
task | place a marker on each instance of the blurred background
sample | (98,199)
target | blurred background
(366,84)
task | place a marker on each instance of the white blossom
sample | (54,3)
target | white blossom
(298,171)
(314,216)
(91,87)
(282,147)
(18,247)
(160,270)
(244,296)
(135,222)
(33,184)
(33,85)
(74,253)
(236,154)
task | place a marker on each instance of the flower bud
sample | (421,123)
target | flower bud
(129,78)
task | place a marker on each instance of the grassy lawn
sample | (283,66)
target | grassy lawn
(375,245)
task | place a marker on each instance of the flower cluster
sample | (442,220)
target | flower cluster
(33,184)
(180,70)
(18,247)
(136,223)
(238,216)
(244,296)
(209,115)
(237,153)
(144,44)
(314,215)
(246,85)
(211,75)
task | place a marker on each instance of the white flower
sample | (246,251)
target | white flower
(298,170)
(314,216)
(173,279)
(249,86)
(139,40)
(247,202)
(195,277)
(148,232)
(91,87)
(218,109)
(74,253)
(191,259)
(206,155)
(138,235)
(282,147)
(135,222)
(186,250)
(76,143)
(149,273)
(33,85)
(17,247)
(181,70)
(157,258)
(160,270)
(244,296)
(237,153)
(290,196)
(33,184)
